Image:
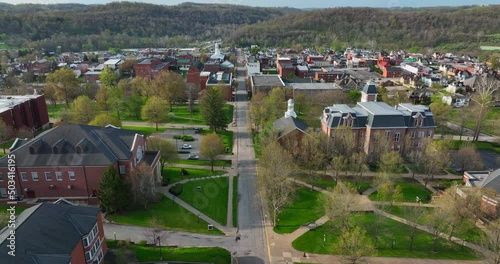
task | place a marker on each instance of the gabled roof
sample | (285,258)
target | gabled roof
(286,125)
(492,181)
(48,233)
(369,88)
(101,146)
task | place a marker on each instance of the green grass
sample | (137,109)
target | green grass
(211,200)
(495,147)
(19,209)
(174,173)
(172,217)
(7,144)
(218,163)
(226,136)
(306,206)
(493,115)
(257,148)
(146,130)
(54,110)
(469,232)
(312,241)
(194,254)
(322,181)
(410,189)
(229,109)
(235,201)
(362,185)
(374,168)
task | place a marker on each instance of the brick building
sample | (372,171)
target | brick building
(369,121)
(193,74)
(291,130)
(391,72)
(61,233)
(223,80)
(285,68)
(149,68)
(69,160)
(27,111)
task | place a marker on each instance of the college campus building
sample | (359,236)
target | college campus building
(26,111)
(69,160)
(56,233)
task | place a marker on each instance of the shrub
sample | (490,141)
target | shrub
(143,243)
(187,138)
(165,182)
(177,137)
(176,189)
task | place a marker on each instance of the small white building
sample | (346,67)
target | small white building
(456,100)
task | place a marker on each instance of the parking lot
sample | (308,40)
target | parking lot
(169,134)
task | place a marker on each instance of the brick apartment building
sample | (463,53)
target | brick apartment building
(69,160)
(27,111)
(370,120)
(56,233)
(149,68)
(285,68)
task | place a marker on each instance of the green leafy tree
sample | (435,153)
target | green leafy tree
(353,96)
(116,100)
(113,191)
(102,98)
(354,244)
(104,120)
(82,110)
(134,105)
(155,111)
(212,109)
(65,85)
(211,147)
(168,151)
(108,78)
(170,86)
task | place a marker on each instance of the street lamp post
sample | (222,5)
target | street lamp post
(114,234)
(159,245)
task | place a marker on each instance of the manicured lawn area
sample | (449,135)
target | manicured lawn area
(195,254)
(174,173)
(257,148)
(479,145)
(362,185)
(54,110)
(469,232)
(229,108)
(306,206)
(211,200)
(235,201)
(226,136)
(146,130)
(312,241)
(6,145)
(322,181)
(218,163)
(172,217)
(19,209)
(410,189)
(374,168)
(494,114)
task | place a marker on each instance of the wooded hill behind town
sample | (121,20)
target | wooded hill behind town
(77,27)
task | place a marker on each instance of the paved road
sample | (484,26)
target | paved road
(252,248)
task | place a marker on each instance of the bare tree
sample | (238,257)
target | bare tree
(211,147)
(491,242)
(338,164)
(468,157)
(434,221)
(436,157)
(156,233)
(354,244)
(339,205)
(413,214)
(275,166)
(358,165)
(486,87)
(143,184)
(310,157)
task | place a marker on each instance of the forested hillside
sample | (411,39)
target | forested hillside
(460,28)
(124,24)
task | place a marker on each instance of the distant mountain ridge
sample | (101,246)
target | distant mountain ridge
(453,28)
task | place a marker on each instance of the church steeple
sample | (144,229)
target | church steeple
(290,112)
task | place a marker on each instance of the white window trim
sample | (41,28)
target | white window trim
(50,174)
(25,174)
(69,175)
(60,174)
(33,173)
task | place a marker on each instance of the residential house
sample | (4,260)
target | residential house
(24,111)
(456,100)
(68,161)
(391,72)
(330,76)
(40,67)
(489,181)
(55,233)
(112,63)
(301,71)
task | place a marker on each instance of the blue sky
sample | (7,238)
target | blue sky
(290,3)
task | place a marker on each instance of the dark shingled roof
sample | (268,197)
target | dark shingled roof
(286,125)
(48,233)
(493,181)
(370,88)
(101,146)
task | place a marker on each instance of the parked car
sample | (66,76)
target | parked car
(186,146)
(193,157)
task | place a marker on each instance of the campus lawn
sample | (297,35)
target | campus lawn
(226,136)
(410,189)
(322,181)
(494,114)
(361,185)
(218,163)
(171,215)
(54,110)
(312,241)
(174,173)
(146,130)
(480,145)
(211,200)
(195,254)
(229,109)
(306,206)
(235,201)
(468,232)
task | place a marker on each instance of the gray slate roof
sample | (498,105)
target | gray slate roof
(370,88)
(286,125)
(49,233)
(103,146)
(490,180)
